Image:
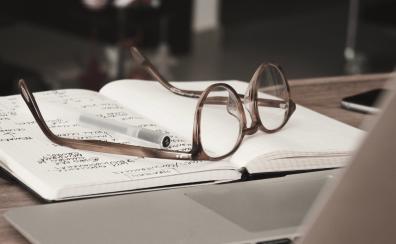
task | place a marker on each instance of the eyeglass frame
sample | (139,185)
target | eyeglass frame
(197,151)
(250,98)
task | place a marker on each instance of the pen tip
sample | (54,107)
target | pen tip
(166,141)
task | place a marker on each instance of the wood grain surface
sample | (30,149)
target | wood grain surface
(319,94)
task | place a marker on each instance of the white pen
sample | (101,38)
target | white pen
(160,138)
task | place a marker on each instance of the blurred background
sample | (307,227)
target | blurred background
(84,43)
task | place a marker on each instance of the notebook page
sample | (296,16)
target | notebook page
(175,113)
(50,169)
(306,132)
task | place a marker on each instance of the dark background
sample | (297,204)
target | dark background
(58,44)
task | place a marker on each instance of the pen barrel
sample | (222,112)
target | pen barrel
(153,136)
(160,138)
(106,124)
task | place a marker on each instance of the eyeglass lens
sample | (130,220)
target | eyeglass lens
(271,84)
(220,123)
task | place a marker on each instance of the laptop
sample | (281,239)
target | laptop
(358,205)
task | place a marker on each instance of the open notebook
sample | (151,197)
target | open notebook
(309,141)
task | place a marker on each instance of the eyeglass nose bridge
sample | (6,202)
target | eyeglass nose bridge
(232,107)
(251,130)
(248,102)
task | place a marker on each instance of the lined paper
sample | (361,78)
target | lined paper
(54,170)
(306,132)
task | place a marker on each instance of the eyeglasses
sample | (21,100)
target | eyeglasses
(220,113)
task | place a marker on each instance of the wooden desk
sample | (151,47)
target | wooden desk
(322,95)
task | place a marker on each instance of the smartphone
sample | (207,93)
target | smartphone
(365,102)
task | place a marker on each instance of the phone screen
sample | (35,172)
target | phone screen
(363,102)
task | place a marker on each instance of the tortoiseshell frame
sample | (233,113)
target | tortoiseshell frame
(197,152)
(249,99)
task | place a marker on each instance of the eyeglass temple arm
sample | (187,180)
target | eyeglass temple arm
(145,62)
(95,145)
(261,101)
(32,105)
